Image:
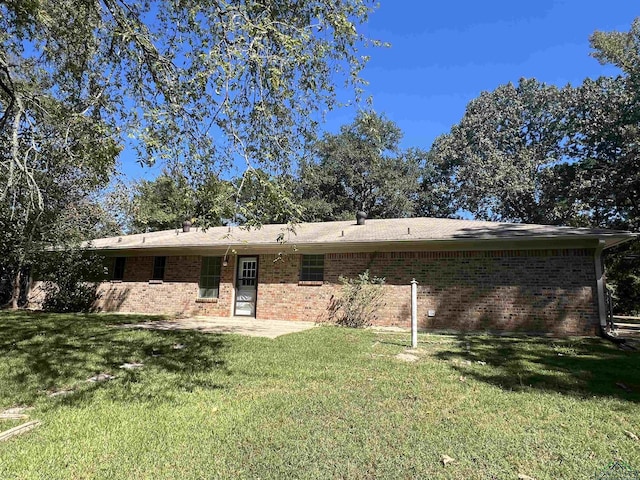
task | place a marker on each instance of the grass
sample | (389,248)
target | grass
(7,424)
(326,403)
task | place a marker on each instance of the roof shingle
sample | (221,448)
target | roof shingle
(347,232)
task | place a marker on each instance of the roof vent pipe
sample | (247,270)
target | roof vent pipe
(361,217)
(186,226)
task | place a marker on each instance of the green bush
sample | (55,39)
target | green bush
(71,277)
(623,277)
(358,302)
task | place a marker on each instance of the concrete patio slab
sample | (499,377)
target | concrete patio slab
(237,325)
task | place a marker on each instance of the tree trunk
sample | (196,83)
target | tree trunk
(16,289)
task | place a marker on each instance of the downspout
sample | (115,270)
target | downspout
(602,305)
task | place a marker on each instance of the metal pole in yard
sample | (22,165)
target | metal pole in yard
(414,313)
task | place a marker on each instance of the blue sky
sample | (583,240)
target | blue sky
(444,53)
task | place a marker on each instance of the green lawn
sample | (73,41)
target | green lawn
(326,403)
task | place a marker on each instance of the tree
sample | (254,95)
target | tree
(504,151)
(62,158)
(261,198)
(621,49)
(67,209)
(605,121)
(608,119)
(173,197)
(211,81)
(611,155)
(436,196)
(253,199)
(536,153)
(362,168)
(203,84)
(162,204)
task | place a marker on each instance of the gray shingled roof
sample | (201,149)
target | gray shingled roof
(344,233)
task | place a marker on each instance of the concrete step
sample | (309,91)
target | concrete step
(626,319)
(627,333)
(628,326)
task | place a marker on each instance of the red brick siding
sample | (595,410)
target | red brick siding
(280,296)
(138,269)
(176,295)
(538,291)
(534,290)
(544,291)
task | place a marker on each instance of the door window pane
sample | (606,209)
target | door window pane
(248,272)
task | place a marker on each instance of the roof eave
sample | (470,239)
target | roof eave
(460,243)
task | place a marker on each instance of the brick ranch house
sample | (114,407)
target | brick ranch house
(471,275)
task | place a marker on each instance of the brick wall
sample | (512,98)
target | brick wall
(177,294)
(281,297)
(535,290)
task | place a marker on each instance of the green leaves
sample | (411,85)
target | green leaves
(359,300)
(363,168)
(197,86)
(496,154)
(536,153)
(70,277)
(262,198)
(619,48)
(210,81)
(173,197)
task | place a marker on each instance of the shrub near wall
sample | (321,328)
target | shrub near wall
(69,280)
(358,302)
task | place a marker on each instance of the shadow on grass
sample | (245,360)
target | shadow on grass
(42,353)
(582,367)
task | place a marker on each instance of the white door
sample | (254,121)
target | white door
(246,286)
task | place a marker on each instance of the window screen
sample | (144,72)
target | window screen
(158,268)
(312,268)
(210,277)
(118,268)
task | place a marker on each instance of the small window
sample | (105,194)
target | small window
(312,268)
(118,268)
(158,268)
(247,275)
(210,277)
